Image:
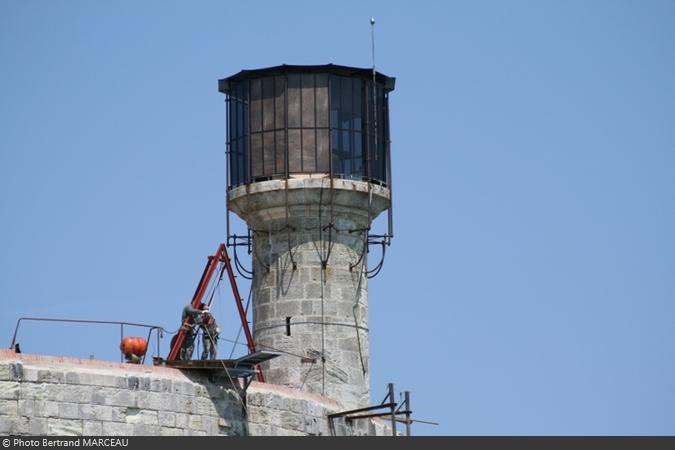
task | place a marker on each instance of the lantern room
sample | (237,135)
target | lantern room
(287,121)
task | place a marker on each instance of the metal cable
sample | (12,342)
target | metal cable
(241,326)
(227,372)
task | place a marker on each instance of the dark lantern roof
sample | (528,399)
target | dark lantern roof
(388,82)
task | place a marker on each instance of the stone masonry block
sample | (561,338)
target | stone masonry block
(4,371)
(182,387)
(30,374)
(141,416)
(46,408)
(201,390)
(167,431)
(9,390)
(196,422)
(64,427)
(50,376)
(66,393)
(74,377)
(190,432)
(16,371)
(26,407)
(113,397)
(6,425)
(117,429)
(151,400)
(145,430)
(160,385)
(96,412)
(69,410)
(21,426)
(92,428)
(181,420)
(8,408)
(166,419)
(119,414)
(206,407)
(288,308)
(37,426)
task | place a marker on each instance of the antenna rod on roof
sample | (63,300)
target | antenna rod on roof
(372,42)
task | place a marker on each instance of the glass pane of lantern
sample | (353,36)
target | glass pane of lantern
(243,160)
(268,153)
(358,154)
(294,151)
(281,151)
(322,153)
(268,103)
(357,105)
(346,101)
(335,82)
(321,100)
(308,150)
(335,151)
(256,105)
(279,99)
(293,100)
(308,100)
(256,155)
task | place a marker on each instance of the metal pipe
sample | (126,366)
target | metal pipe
(393,408)
(406,400)
(367,408)
(103,322)
(367,416)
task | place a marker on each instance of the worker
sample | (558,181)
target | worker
(196,314)
(210,333)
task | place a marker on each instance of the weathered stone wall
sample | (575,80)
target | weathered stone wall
(318,312)
(276,410)
(67,396)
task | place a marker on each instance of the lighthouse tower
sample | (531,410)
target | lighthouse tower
(309,171)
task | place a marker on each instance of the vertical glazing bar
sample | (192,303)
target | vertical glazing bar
(286,126)
(302,156)
(316,125)
(352,131)
(330,128)
(274,121)
(247,131)
(262,127)
(388,181)
(367,127)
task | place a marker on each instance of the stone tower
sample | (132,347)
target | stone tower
(308,171)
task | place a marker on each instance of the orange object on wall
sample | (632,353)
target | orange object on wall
(134,345)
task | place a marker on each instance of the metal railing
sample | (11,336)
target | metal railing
(159,330)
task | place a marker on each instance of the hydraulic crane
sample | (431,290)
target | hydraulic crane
(219,262)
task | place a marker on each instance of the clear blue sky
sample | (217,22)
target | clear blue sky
(530,287)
